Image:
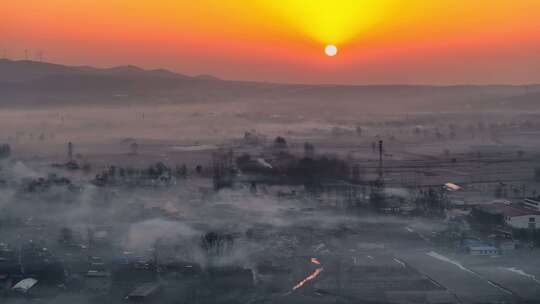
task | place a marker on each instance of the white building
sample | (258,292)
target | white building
(531,221)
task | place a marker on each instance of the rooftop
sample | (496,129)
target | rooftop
(507,210)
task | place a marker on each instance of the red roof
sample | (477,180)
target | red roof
(508,210)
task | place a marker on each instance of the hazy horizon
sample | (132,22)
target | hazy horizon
(203,74)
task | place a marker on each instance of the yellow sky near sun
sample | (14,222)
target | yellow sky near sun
(331,22)
(326,21)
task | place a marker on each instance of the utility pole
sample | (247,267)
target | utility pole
(380,170)
(70,151)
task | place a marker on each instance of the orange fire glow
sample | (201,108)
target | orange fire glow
(308,278)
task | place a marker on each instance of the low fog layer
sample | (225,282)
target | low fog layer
(124,185)
(27,83)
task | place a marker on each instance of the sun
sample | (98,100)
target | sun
(330,50)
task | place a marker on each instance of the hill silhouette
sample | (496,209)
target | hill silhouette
(38,84)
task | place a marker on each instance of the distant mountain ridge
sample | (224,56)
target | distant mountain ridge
(25,70)
(33,83)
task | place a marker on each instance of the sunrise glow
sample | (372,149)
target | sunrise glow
(327,21)
(282,40)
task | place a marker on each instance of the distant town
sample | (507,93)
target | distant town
(418,209)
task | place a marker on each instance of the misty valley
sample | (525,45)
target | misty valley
(129,191)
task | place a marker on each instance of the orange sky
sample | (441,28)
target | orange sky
(380,41)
